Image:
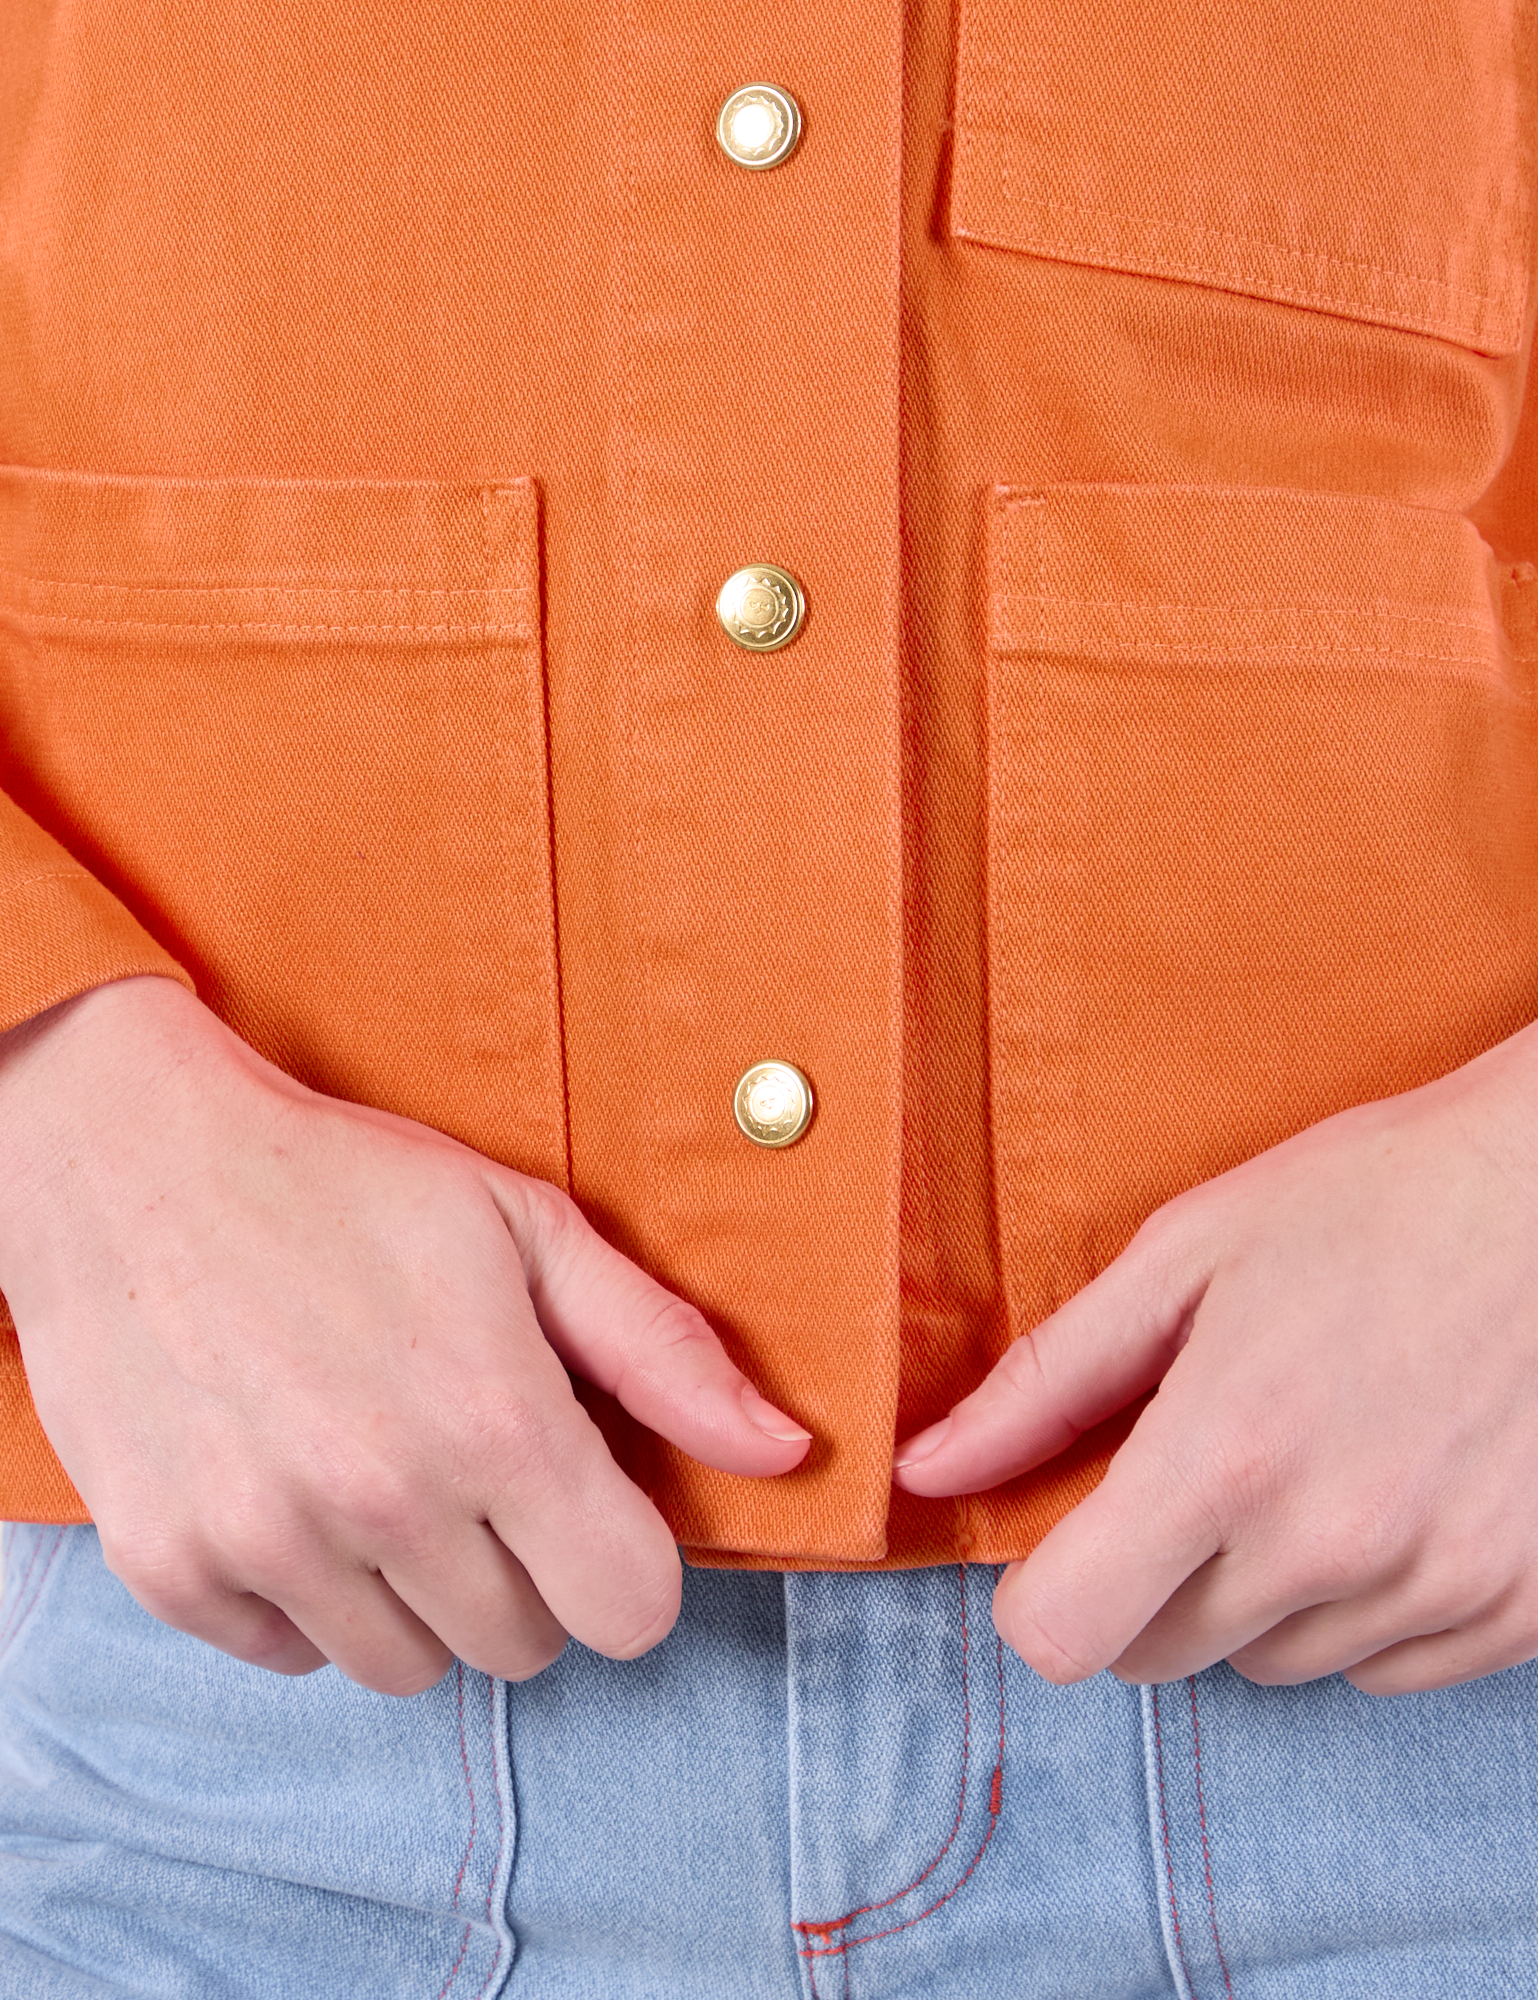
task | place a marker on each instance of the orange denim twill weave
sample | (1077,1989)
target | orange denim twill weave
(1136,391)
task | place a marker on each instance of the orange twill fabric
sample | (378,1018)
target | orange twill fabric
(1138,394)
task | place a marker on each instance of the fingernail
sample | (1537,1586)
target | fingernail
(772,1422)
(925,1445)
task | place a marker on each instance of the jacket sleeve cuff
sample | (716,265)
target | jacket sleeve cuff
(62,933)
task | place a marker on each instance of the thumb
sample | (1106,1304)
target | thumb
(651,1350)
(1110,1344)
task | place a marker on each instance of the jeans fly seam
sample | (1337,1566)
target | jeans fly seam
(865,1909)
(496,1865)
(1201,1816)
(464,1862)
(1169,1859)
(995,1808)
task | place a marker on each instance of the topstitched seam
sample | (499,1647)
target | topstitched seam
(357,586)
(25,1604)
(518,634)
(1248,499)
(538,759)
(638,680)
(1169,1859)
(459,1879)
(485,584)
(1203,233)
(865,1909)
(1201,1814)
(1305,651)
(46,875)
(1016,908)
(22,476)
(993,888)
(1329,608)
(1040,889)
(995,1809)
(1480,669)
(491,1885)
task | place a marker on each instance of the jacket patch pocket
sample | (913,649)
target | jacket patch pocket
(1263,839)
(1372,160)
(298,726)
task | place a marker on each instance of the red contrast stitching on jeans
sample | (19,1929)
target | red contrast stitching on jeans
(21,1588)
(14,1617)
(826,1929)
(865,1909)
(995,1807)
(1169,1860)
(453,1972)
(491,1886)
(843,1966)
(25,1609)
(459,1879)
(1201,1814)
(464,1759)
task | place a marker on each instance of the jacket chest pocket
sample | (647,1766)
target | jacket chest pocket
(298,727)
(1372,160)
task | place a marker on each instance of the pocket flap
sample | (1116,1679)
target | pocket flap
(1372,160)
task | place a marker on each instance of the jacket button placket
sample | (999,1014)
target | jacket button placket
(762,899)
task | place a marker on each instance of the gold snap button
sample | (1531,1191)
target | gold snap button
(759,126)
(761,607)
(773,1103)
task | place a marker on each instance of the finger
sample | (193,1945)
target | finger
(246,1627)
(480,1600)
(1213,1615)
(1445,1659)
(336,1602)
(173,1581)
(1277,1632)
(540,1474)
(1486,1638)
(619,1329)
(596,1550)
(1332,1638)
(1279,1601)
(1076,1604)
(1110,1344)
(367,1633)
(1281,1615)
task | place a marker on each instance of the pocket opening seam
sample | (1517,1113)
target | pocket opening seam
(1454,621)
(275,628)
(355,586)
(1398,629)
(1205,233)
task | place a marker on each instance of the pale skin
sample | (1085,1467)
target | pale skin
(1337,1472)
(307,1364)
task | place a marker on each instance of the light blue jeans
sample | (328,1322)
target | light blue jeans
(831,1787)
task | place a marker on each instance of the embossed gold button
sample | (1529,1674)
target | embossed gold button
(773,1103)
(759,125)
(761,607)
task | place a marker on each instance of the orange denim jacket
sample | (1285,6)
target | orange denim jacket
(1136,390)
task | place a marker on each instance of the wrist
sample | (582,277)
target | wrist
(95,1047)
